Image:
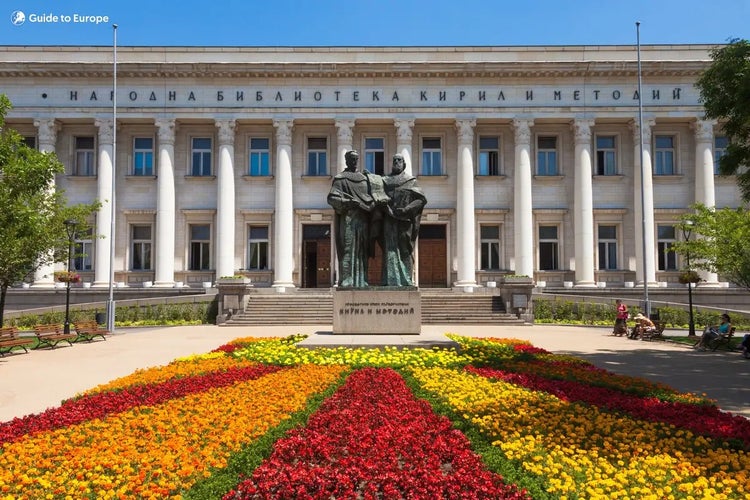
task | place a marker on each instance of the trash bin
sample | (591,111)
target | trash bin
(654,316)
(101,318)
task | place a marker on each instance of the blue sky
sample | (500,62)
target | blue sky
(375,23)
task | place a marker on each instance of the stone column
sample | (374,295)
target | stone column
(466,233)
(584,205)
(47,130)
(522,206)
(344,135)
(225,213)
(704,178)
(644,208)
(704,162)
(105,173)
(165,205)
(283,248)
(404,132)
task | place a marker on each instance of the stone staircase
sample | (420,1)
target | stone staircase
(315,307)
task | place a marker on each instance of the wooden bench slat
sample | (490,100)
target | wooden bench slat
(10,339)
(52,334)
(88,330)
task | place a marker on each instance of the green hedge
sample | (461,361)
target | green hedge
(158,314)
(566,311)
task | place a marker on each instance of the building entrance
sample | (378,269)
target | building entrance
(316,256)
(433,260)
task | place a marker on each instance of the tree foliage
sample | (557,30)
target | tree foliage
(32,213)
(725,93)
(718,242)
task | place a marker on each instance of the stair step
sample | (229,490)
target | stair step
(315,307)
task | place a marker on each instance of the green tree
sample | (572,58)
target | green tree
(32,215)
(718,242)
(725,93)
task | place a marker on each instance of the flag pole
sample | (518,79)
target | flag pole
(111,299)
(646,304)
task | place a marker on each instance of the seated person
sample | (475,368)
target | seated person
(713,331)
(745,346)
(642,325)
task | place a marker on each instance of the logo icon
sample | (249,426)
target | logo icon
(18,18)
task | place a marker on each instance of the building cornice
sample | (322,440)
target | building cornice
(353,62)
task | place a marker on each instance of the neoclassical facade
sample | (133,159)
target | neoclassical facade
(533,159)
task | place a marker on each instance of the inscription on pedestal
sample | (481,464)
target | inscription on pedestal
(377,311)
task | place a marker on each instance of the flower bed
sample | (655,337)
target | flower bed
(373,439)
(553,425)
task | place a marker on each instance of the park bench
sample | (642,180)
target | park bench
(9,340)
(656,334)
(722,340)
(88,330)
(51,335)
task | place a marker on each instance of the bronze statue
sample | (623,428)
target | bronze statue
(352,199)
(400,226)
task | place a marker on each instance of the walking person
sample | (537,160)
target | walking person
(621,318)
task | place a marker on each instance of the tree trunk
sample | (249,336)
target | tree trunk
(3,291)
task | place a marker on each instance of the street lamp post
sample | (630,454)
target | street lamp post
(687,230)
(70,228)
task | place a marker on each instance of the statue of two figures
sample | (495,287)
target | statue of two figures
(373,209)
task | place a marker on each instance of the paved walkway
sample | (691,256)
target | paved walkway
(30,383)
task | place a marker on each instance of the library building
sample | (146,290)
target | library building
(540,161)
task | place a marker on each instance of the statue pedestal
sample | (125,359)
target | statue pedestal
(377,310)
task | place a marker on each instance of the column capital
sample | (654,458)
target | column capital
(166,128)
(47,129)
(404,129)
(582,130)
(226,131)
(522,130)
(106,130)
(465,129)
(345,130)
(284,131)
(704,130)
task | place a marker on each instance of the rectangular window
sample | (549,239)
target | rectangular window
(490,247)
(84,165)
(257,248)
(665,240)
(83,251)
(432,156)
(200,247)
(143,156)
(375,155)
(30,141)
(606,163)
(664,155)
(546,155)
(259,155)
(489,155)
(201,156)
(548,248)
(720,149)
(140,237)
(317,156)
(607,247)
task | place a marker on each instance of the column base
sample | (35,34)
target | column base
(163,284)
(43,284)
(466,286)
(283,284)
(585,284)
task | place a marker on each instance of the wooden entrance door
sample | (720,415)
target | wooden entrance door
(316,256)
(433,257)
